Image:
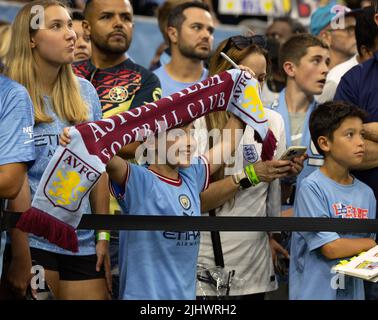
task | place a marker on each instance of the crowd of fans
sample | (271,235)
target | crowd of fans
(318,87)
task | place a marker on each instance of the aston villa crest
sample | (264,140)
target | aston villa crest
(250,153)
(69,182)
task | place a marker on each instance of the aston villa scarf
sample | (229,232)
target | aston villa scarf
(74,170)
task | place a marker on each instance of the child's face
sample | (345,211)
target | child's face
(312,69)
(181,145)
(347,146)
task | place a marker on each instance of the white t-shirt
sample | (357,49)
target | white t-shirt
(333,79)
(248,253)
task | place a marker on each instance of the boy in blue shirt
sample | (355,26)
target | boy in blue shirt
(331,192)
(161,265)
(304,60)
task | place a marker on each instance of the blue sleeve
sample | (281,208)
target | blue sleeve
(136,181)
(16,127)
(96,104)
(347,90)
(310,203)
(201,172)
(372,210)
(89,93)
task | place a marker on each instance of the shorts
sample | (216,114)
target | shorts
(70,268)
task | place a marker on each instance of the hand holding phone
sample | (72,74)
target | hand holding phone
(293,152)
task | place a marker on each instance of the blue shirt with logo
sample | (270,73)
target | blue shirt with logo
(310,272)
(16,129)
(46,142)
(160,265)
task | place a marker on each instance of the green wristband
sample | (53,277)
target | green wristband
(103,236)
(251,174)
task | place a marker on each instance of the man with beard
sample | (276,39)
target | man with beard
(120,83)
(190,34)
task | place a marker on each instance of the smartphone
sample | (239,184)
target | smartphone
(293,152)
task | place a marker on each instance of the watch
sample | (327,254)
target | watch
(242,180)
(245,183)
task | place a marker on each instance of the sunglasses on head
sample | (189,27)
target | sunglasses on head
(242,42)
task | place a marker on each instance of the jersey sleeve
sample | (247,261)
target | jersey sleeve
(310,204)
(16,127)
(96,104)
(202,173)
(135,187)
(90,95)
(372,209)
(150,91)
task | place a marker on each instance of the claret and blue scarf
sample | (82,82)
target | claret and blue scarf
(74,170)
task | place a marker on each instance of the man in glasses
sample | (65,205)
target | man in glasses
(190,36)
(360,87)
(335,25)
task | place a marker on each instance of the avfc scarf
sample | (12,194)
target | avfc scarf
(74,170)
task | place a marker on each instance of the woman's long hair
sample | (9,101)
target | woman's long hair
(21,66)
(218,64)
(218,120)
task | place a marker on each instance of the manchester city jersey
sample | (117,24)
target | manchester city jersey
(160,265)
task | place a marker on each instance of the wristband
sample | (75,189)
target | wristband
(103,236)
(251,174)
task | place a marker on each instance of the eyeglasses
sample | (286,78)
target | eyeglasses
(242,42)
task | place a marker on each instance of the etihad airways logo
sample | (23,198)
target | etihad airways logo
(183,239)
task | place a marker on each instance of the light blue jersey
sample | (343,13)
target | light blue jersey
(169,85)
(315,160)
(310,272)
(46,142)
(160,265)
(16,130)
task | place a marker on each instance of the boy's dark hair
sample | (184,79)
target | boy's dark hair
(366,29)
(176,16)
(376,5)
(296,47)
(327,117)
